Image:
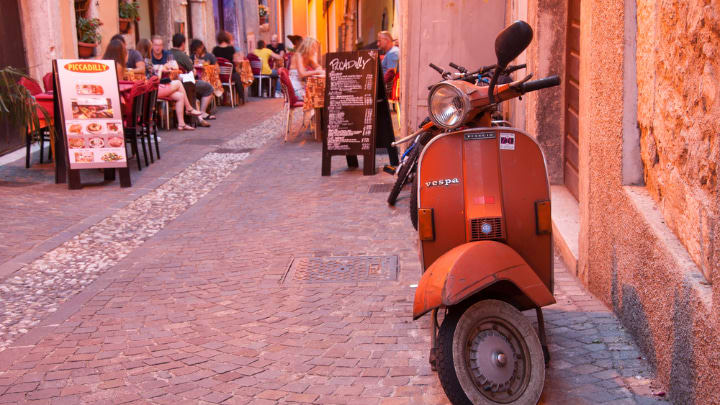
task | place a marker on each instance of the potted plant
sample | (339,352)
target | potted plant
(129,12)
(263,13)
(17,105)
(88,32)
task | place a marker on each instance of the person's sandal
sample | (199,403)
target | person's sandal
(204,124)
(195,112)
(209,117)
(185,127)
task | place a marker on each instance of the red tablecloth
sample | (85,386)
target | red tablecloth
(46,101)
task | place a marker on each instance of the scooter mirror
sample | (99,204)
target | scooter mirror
(511,41)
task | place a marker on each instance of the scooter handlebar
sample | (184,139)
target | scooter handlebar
(458,67)
(539,84)
(437,68)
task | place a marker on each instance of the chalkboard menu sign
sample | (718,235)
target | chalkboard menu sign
(351,95)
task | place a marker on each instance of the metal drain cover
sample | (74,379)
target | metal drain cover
(231,150)
(342,269)
(203,141)
(381,188)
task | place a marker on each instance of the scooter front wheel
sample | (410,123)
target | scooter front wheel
(490,354)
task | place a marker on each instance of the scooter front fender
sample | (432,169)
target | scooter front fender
(471,267)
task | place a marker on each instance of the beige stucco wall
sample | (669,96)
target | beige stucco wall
(49,33)
(371,18)
(459,31)
(629,257)
(678,71)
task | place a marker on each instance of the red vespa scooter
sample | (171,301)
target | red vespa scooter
(483,211)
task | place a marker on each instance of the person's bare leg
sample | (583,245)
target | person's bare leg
(204,103)
(179,107)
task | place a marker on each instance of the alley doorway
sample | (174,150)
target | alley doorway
(571,138)
(12,53)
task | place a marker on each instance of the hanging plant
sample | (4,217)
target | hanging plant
(88,30)
(129,10)
(262,10)
(17,105)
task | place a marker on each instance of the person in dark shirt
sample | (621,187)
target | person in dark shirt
(135,61)
(198,51)
(225,48)
(203,89)
(275,46)
(158,54)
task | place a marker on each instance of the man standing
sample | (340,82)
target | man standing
(265,54)
(392,52)
(203,89)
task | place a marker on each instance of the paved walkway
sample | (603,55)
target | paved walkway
(203,309)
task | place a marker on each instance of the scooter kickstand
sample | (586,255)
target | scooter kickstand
(541,335)
(433,341)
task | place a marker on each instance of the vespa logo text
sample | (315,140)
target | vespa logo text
(87,67)
(444,182)
(337,64)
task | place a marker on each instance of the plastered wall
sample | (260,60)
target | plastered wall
(678,110)
(630,256)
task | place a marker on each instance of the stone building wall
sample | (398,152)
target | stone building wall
(630,254)
(678,110)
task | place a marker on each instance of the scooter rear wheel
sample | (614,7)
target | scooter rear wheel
(490,354)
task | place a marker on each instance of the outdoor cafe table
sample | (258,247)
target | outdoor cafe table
(315,99)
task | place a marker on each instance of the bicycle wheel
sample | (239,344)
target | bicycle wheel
(405,170)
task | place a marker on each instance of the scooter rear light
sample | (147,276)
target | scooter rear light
(543,217)
(426,225)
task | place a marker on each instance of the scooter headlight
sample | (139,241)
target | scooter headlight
(448,105)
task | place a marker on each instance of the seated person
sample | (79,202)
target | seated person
(199,54)
(144,47)
(173,90)
(135,61)
(116,51)
(203,89)
(304,64)
(265,54)
(277,47)
(225,49)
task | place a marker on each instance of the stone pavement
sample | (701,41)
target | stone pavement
(204,310)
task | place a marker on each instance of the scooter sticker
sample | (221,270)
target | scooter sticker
(443,182)
(507,141)
(479,136)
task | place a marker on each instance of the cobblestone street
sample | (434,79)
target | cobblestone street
(177,290)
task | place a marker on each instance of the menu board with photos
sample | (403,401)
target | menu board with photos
(91,114)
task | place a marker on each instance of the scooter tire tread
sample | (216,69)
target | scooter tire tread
(445,365)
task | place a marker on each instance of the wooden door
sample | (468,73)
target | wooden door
(12,53)
(571,139)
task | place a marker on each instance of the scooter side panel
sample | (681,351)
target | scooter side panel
(524,182)
(470,268)
(441,188)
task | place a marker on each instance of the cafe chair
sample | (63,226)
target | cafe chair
(256,65)
(291,101)
(132,112)
(40,134)
(48,82)
(149,125)
(226,68)
(393,90)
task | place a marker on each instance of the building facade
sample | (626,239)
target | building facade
(631,139)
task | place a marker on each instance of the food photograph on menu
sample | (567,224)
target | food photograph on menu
(88,108)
